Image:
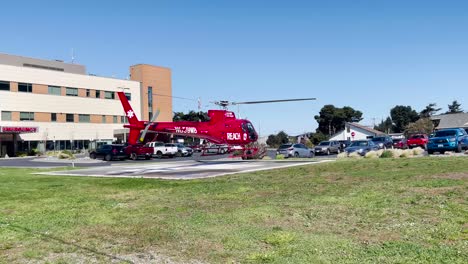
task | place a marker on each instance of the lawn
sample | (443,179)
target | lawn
(353,211)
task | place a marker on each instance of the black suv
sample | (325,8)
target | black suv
(109,152)
(384,142)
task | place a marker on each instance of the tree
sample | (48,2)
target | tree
(385,126)
(429,110)
(402,116)
(278,139)
(423,125)
(332,119)
(190,116)
(454,108)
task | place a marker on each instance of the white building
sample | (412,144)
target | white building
(55,105)
(355,131)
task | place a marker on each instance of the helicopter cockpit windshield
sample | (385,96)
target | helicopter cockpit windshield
(248,127)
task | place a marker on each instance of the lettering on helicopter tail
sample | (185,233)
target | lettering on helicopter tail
(233,136)
(186,130)
(229,114)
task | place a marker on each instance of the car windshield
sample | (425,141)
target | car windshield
(359,144)
(417,136)
(378,139)
(324,143)
(446,133)
(284,146)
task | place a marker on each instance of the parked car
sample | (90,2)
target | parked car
(361,147)
(400,143)
(161,149)
(183,151)
(327,147)
(344,144)
(453,139)
(418,140)
(109,152)
(217,148)
(295,150)
(383,142)
(138,151)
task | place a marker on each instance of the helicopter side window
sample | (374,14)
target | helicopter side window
(250,128)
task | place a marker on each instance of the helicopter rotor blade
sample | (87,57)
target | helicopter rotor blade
(143,134)
(274,101)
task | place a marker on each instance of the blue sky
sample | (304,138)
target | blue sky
(370,55)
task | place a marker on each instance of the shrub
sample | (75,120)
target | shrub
(21,154)
(406,153)
(63,156)
(66,154)
(418,151)
(279,156)
(387,154)
(371,155)
(355,155)
(342,155)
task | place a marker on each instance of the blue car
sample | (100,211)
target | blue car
(361,147)
(452,139)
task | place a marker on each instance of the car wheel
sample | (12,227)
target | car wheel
(328,152)
(338,151)
(108,157)
(296,155)
(311,154)
(92,155)
(459,148)
(133,156)
(430,152)
(178,154)
(158,154)
(147,157)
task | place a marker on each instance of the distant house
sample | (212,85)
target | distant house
(355,131)
(450,121)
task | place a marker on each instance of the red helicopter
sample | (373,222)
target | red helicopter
(222,128)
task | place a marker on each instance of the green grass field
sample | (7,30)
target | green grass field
(353,211)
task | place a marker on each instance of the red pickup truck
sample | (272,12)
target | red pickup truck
(138,151)
(418,140)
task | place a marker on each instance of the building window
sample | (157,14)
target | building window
(72,91)
(122,119)
(70,118)
(4,86)
(84,118)
(103,119)
(88,93)
(53,117)
(109,95)
(25,87)
(98,94)
(150,102)
(26,116)
(115,119)
(55,90)
(6,116)
(129,96)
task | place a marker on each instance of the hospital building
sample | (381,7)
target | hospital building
(53,105)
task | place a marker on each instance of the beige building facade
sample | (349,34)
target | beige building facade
(54,105)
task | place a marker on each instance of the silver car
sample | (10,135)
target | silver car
(295,150)
(327,147)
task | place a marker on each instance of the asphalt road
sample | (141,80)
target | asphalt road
(35,162)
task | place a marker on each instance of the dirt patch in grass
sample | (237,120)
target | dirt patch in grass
(451,176)
(434,191)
